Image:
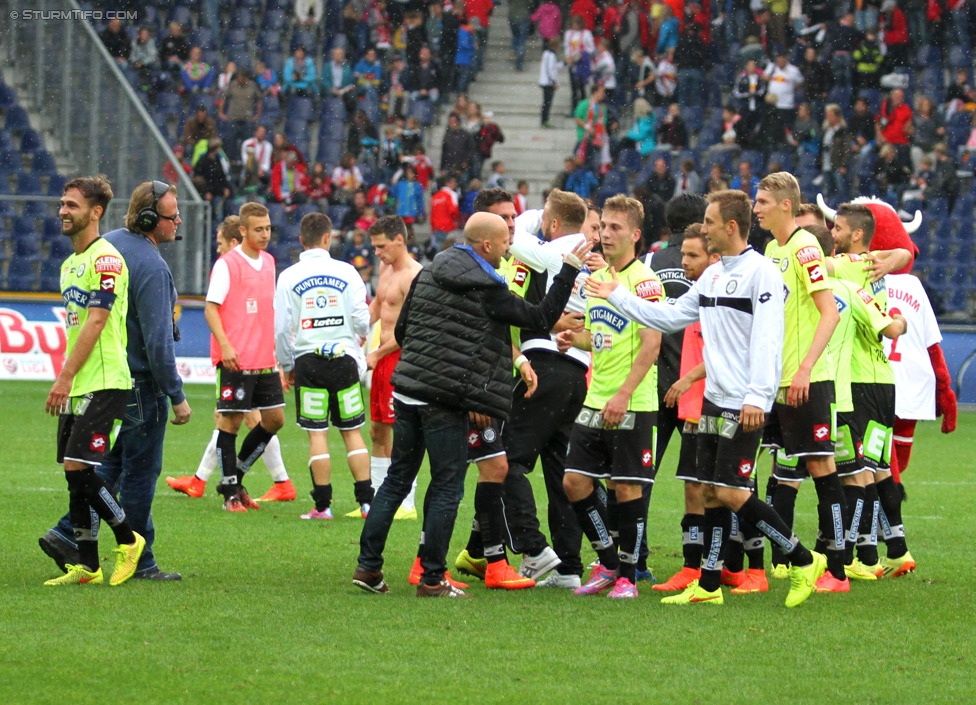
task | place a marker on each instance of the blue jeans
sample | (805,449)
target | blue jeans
(520,36)
(691,87)
(132,467)
(463,77)
(442,434)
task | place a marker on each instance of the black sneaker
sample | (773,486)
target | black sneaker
(157,575)
(59,550)
(442,589)
(370,581)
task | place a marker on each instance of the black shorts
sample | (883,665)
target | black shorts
(848,455)
(243,390)
(328,389)
(688,456)
(622,454)
(726,454)
(486,443)
(874,413)
(88,429)
(809,429)
(789,468)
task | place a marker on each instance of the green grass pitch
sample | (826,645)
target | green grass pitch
(267,612)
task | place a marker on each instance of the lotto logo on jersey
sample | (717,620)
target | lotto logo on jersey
(99,443)
(226,393)
(809,254)
(649,289)
(816,273)
(745,468)
(109,263)
(521,274)
(474,439)
(647,458)
(821,432)
(327,322)
(859,447)
(108,282)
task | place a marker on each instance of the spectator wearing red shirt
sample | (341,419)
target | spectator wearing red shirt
(895,119)
(289,181)
(445,214)
(587,10)
(895,27)
(482,10)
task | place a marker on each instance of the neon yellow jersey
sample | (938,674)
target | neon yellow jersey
(98,278)
(615,340)
(842,342)
(517,274)
(851,267)
(869,364)
(801,262)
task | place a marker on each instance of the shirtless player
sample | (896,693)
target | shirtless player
(397,271)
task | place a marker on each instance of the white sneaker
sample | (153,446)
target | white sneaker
(536,566)
(558,580)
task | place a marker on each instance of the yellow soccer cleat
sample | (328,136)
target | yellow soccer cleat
(803,579)
(77,575)
(126,560)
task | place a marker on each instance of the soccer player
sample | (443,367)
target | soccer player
(321,318)
(613,435)
(397,271)
(802,421)
(136,458)
(229,237)
(242,349)
(90,393)
(738,301)
(686,395)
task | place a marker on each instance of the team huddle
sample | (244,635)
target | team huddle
(546,337)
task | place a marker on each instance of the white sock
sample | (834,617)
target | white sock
(273,460)
(378,468)
(208,463)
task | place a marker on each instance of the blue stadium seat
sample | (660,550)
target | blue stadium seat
(296,128)
(288,234)
(929,56)
(957,300)
(23,273)
(240,56)
(180,14)
(36,209)
(51,229)
(303,38)
(274,60)
(203,37)
(8,97)
(10,160)
(785,160)
(300,109)
(51,274)
(330,152)
(873,96)
(242,18)
(150,16)
(269,40)
(423,110)
(843,97)
(270,108)
(755,159)
(28,185)
(302,210)
(960,58)
(43,163)
(235,39)
(332,131)
(629,160)
(55,185)
(937,209)
(615,180)
(333,109)
(17,119)
(337,213)
(168,103)
(275,20)
(26,241)
(6,141)
(722,157)
(278,215)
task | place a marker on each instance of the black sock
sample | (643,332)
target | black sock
(734,556)
(251,449)
(771,484)
(643,552)
(83,520)
(592,518)
(890,497)
(475,547)
(363,490)
(613,515)
(832,510)
(784,502)
(632,523)
(867,535)
(718,523)
(753,545)
(854,495)
(227,460)
(322,495)
(489,508)
(106,506)
(769,523)
(692,543)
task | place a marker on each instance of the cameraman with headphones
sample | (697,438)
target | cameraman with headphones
(136,459)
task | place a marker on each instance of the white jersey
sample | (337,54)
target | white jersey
(739,301)
(547,256)
(908,354)
(320,307)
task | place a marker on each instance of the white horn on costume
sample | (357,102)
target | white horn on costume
(829,213)
(915,224)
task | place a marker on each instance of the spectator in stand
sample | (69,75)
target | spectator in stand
(281,145)
(578,52)
(945,182)
(309,13)
(548,20)
(488,136)
(289,181)
(895,28)
(393,92)
(467,201)
(362,134)
(347,180)
(628,37)
(458,148)
(805,133)
(891,174)
(666,80)
(842,39)
(425,168)
(717,181)
(472,120)
(519,22)
(480,10)
(752,50)
(691,58)
(337,79)
(319,186)
(424,78)
(521,197)
(368,218)
(380,29)
(959,94)
(586,10)
(668,33)
(415,34)
(660,183)
(391,154)
(464,59)
(642,136)
(746,181)
(368,73)
(783,79)
(868,59)
(498,178)
(170,174)
(144,58)
(605,69)
(758,27)
(409,195)
(434,26)
(688,180)
(267,79)
(449,45)
(299,75)
(894,124)
(211,176)
(579,179)
(359,254)
(862,129)
(174,50)
(817,80)
(445,214)
(117,42)
(359,203)
(644,77)
(241,108)
(224,79)
(199,127)
(731,127)
(569,166)
(548,79)
(672,133)
(256,158)
(927,129)
(411,136)
(592,119)
(197,74)
(835,155)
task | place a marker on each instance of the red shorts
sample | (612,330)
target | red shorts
(381,391)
